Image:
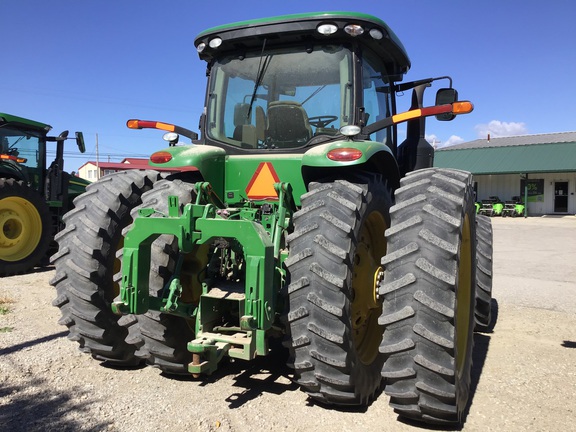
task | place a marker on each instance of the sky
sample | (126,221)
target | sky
(90,65)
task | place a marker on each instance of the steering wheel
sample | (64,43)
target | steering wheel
(322,121)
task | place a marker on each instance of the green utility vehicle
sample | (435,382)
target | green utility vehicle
(514,207)
(33,196)
(493,206)
(296,215)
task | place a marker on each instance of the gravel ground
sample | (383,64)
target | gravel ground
(524,371)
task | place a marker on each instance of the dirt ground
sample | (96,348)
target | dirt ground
(524,375)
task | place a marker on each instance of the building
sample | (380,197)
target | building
(92,170)
(539,167)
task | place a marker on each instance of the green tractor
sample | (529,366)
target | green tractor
(33,196)
(296,216)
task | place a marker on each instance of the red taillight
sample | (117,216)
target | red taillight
(344,154)
(161,157)
(14,158)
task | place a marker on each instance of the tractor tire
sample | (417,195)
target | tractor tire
(483,310)
(86,263)
(166,336)
(26,225)
(333,309)
(429,296)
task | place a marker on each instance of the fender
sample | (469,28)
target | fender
(366,155)
(208,160)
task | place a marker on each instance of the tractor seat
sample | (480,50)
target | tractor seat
(288,125)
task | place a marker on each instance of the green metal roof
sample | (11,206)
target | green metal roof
(509,159)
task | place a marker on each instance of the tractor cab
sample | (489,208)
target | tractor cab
(23,155)
(326,72)
(317,91)
(23,149)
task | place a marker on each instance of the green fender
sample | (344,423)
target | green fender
(376,157)
(209,160)
(214,165)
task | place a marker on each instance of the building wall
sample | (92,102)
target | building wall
(88,172)
(505,186)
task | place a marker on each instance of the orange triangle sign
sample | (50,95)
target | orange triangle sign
(261,185)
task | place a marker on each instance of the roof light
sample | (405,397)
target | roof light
(327,29)
(376,34)
(344,154)
(354,29)
(350,130)
(201,46)
(215,43)
(161,157)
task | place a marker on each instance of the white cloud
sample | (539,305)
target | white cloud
(438,143)
(433,139)
(497,128)
(453,140)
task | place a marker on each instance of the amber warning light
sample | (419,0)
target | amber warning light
(463,107)
(147,124)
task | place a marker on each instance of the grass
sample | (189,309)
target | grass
(5,303)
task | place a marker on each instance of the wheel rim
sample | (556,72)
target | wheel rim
(21,228)
(366,308)
(463,298)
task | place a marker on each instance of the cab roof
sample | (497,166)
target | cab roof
(23,122)
(302,28)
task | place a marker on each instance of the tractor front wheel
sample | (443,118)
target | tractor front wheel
(334,267)
(25,227)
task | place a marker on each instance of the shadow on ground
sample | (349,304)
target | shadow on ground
(35,407)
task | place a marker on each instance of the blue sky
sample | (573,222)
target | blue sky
(90,65)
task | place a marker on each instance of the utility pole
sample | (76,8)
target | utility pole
(97,162)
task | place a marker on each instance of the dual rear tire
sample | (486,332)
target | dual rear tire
(429,296)
(422,292)
(334,267)
(88,265)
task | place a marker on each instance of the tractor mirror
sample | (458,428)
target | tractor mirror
(446,96)
(80,142)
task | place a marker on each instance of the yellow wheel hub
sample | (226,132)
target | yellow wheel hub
(21,228)
(366,308)
(463,297)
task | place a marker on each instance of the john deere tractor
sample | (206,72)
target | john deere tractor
(298,215)
(33,196)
